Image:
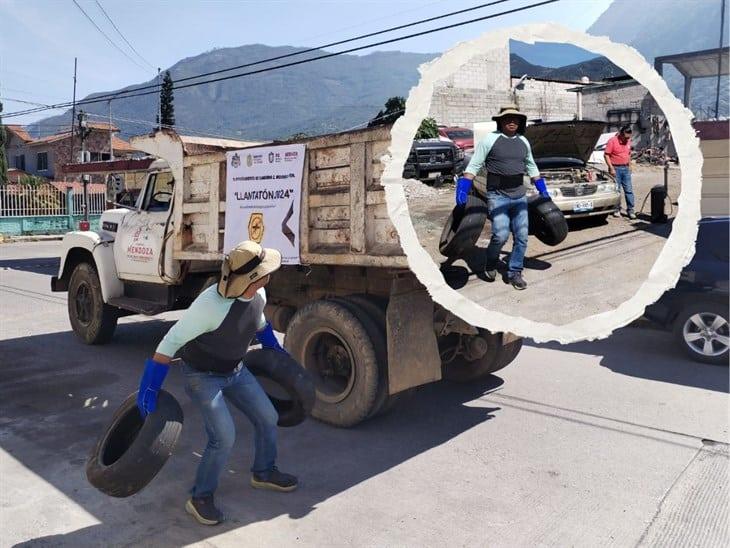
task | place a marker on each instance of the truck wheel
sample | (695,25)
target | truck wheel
(460,367)
(375,308)
(506,354)
(702,331)
(91,318)
(463,228)
(337,349)
(546,221)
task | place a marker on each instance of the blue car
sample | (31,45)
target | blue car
(696,310)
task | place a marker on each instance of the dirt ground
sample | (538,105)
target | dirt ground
(597,267)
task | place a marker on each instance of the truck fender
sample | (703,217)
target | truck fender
(78,247)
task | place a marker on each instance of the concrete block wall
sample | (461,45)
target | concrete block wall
(548,101)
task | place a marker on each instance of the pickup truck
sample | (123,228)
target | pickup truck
(433,160)
(352,312)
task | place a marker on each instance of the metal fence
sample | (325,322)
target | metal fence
(46,200)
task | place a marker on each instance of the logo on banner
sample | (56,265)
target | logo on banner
(236,160)
(271,157)
(249,160)
(256,227)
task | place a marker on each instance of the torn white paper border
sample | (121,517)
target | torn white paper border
(677,251)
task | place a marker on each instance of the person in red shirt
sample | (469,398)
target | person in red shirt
(618,160)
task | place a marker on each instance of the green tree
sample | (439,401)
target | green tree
(394,109)
(3,156)
(428,129)
(167,101)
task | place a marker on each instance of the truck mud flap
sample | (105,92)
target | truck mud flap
(413,354)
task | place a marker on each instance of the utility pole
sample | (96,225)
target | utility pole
(111,133)
(719,59)
(73,117)
(159,100)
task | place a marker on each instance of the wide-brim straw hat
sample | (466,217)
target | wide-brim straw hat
(514,111)
(245,264)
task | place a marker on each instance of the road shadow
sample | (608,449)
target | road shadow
(38,265)
(458,277)
(649,353)
(58,396)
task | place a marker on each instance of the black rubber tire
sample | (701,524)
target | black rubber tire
(324,318)
(463,228)
(546,220)
(375,310)
(684,315)
(291,377)
(131,450)
(506,354)
(99,327)
(462,370)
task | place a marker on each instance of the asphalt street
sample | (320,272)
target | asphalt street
(619,442)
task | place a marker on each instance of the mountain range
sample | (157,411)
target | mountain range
(324,96)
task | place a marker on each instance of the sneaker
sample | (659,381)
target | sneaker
(617,213)
(204,510)
(517,281)
(275,481)
(632,215)
(490,275)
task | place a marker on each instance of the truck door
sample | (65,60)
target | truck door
(140,239)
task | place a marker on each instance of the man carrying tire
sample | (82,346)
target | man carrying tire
(212,338)
(506,155)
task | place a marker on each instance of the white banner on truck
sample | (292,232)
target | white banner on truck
(263,197)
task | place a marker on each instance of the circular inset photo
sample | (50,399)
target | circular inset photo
(553,207)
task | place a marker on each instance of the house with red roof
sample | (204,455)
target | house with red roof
(46,156)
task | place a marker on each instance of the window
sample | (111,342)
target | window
(99,156)
(19,162)
(42,161)
(159,191)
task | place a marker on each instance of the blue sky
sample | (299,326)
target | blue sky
(40,38)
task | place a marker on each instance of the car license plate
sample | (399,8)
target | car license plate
(585,205)
(434,174)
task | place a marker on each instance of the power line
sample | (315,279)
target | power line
(119,32)
(107,37)
(309,50)
(103,98)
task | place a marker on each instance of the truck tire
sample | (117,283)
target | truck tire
(461,369)
(294,396)
(506,354)
(463,228)
(91,318)
(337,349)
(132,450)
(546,220)
(374,309)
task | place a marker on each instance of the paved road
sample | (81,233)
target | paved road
(596,268)
(615,443)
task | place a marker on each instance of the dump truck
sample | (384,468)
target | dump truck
(352,312)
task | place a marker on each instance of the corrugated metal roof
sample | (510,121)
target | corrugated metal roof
(697,64)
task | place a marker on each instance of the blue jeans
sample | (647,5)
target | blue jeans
(207,390)
(623,178)
(507,215)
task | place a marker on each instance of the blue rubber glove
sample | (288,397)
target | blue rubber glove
(268,340)
(149,387)
(542,188)
(463,187)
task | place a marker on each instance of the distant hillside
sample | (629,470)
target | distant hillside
(664,27)
(549,54)
(595,69)
(318,97)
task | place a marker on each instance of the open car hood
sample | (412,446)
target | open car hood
(570,139)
